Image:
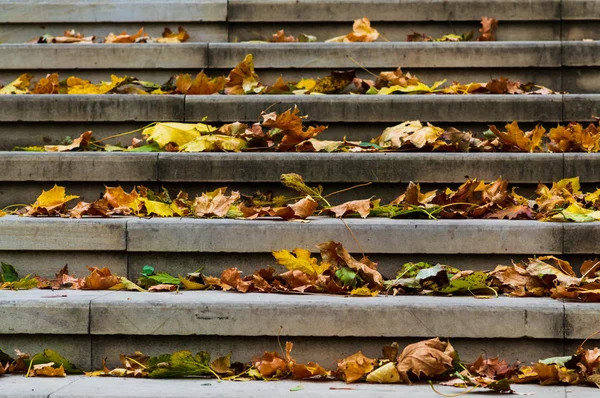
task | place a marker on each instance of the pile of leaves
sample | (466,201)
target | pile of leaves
(338,272)
(70,36)
(563,201)
(487,32)
(243,80)
(286,132)
(362,32)
(432,360)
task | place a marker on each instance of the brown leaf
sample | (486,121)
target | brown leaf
(201,85)
(362,207)
(300,371)
(280,37)
(214,203)
(429,358)
(47,370)
(492,368)
(271,365)
(242,79)
(124,37)
(231,278)
(47,85)
(162,287)
(488,29)
(513,212)
(81,142)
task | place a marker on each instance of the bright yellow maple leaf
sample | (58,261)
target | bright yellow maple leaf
(80,86)
(575,185)
(363,291)
(214,142)
(161,209)
(300,260)
(178,133)
(54,197)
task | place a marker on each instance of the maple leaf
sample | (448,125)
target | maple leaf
(79,86)
(51,202)
(516,281)
(488,29)
(411,132)
(516,138)
(47,85)
(288,125)
(355,367)
(362,207)
(280,37)
(200,85)
(336,255)
(47,370)
(214,142)
(271,365)
(100,279)
(301,371)
(513,212)
(124,37)
(18,86)
(122,202)
(81,142)
(242,79)
(214,203)
(361,32)
(492,368)
(300,260)
(386,374)
(334,83)
(171,37)
(427,358)
(574,137)
(177,133)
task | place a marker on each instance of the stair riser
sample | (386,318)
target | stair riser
(87,352)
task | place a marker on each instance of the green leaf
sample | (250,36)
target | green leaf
(147,270)
(297,388)
(154,361)
(347,276)
(182,364)
(163,277)
(53,356)
(9,274)
(410,270)
(154,147)
(5,358)
(466,284)
(560,361)
(25,283)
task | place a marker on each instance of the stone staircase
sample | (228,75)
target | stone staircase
(539,40)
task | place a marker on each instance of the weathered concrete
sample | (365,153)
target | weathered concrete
(581,321)
(78,166)
(581,107)
(389,108)
(581,80)
(104,56)
(75,347)
(584,165)
(46,311)
(359,167)
(577,10)
(87,387)
(21,11)
(380,55)
(388,10)
(92,108)
(377,235)
(221,313)
(581,237)
(580,53)
(50,233)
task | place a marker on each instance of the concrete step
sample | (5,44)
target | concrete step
(250,20)
(88,387)
(44,245)
(121,322)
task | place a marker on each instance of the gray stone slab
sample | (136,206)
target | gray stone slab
(27,11)
(384,108)
(222,313)
(580,53)
(581,80)
(584,165)
(148,388)
(78,166)
(582,238)
(18,386)
(91,108)
(388,10)
(359,167)
(53,233)
(581,391)
(376,235)
(47,263)
(581,107)
(104,56)
(77,348)
(382,55)
(581,321)
(580,10)
(46,311)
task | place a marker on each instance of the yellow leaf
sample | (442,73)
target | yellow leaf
(18,86)
(177,133)
(573,181)
(2,213)
(47,370)
(214,142)
(80,86)
(160,209)
(363,291)
(301,261)
(386,374)
(191,285)
(54,197)
(307,84)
